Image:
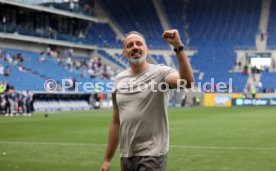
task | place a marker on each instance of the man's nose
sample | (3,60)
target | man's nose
(135,48)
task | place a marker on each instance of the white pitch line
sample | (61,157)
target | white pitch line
(50,143)
(172,146)
(224,148)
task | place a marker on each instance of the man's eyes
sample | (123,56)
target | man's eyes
(129,45)
(137,43)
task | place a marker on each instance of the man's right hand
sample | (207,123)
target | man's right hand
(105,166)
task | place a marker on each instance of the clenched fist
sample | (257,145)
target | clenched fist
(172,37)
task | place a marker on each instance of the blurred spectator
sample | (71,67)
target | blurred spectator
(262,36)
(74,84)
(48,50)
(7,86)
(1,70)
(21,68)
(91,72)
(59,88)
(52,33)
(245,70)
(198,100)
(99,62)
(253,92)
(1,53)
(42,57)
(8,57)
(71,5)
(239,65)
(110,72)
(70,52)
(95,101)
(7,107)
(13,101)
(273,64)
(183,102)
(194,100)
(2,102)
(81,34)
(2,87)
(21,101)
(7,71)
(259,86)
(19,57)
(69,63)
(29,101)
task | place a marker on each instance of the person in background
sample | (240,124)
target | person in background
(29,101)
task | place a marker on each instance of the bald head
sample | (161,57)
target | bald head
(134,33)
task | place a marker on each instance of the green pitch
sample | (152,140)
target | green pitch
(202,139)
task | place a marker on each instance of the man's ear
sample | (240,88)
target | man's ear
(124,53)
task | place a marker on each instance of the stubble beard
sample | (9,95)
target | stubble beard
(137,61)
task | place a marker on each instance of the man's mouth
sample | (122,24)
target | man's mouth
(136,55)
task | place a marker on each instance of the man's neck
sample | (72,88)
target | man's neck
(138,68)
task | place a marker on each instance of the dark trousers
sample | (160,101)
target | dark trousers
(28,107)
(144,163)
(8,108)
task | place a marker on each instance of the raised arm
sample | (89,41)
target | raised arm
(185,71)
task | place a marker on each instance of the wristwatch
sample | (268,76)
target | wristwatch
(178,49)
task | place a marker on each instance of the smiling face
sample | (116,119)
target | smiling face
(135,48)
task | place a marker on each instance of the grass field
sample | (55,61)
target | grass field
(201,139)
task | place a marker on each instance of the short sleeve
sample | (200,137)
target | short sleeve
(165,71)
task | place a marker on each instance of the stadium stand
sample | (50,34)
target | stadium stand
(37,71)
(104,35)
(269,82)
(129,16)
(213,29)
(51,26)
(223,32)
(159,59)
(216,28)
(83,7)
(271,43)
(18,78)
(111,58)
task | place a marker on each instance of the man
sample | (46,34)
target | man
(7,98)
(28,103)
(140,121)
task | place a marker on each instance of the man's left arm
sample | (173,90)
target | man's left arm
(185,72)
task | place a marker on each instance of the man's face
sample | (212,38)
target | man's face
(135,49)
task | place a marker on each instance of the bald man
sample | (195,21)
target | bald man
(140,103)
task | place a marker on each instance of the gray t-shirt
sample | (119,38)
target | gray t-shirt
(143,112)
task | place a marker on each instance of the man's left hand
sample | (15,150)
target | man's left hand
(172,37)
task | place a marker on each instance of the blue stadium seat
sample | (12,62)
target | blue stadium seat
(139,16)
